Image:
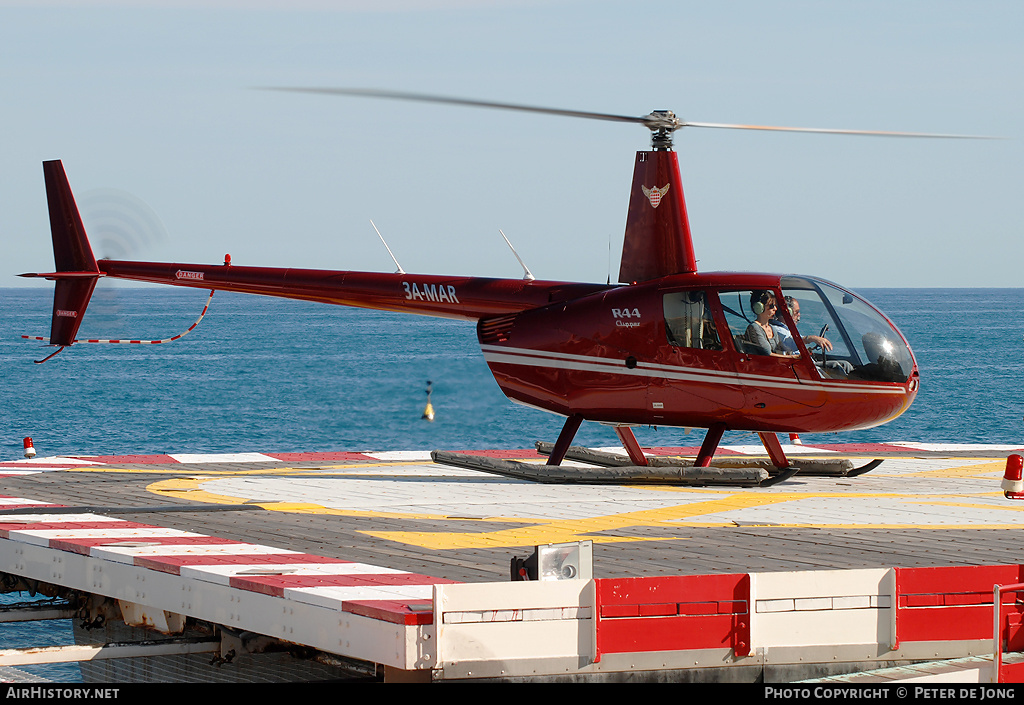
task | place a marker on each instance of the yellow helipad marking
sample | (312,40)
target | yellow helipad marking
(190,488)
(972,470)
(876,508)
(576,529)
(968,505)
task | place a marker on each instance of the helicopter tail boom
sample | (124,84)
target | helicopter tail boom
(457,297)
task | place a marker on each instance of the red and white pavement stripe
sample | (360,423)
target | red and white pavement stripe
(331,583)
(40,464)
(18,503)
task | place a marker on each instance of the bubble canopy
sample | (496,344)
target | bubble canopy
(864,342)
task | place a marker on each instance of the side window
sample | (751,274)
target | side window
(688,321)
(742,309)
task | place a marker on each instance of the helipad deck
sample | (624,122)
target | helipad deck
(925,505)
(398,514)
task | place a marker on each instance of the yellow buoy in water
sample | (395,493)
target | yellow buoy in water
(428,412)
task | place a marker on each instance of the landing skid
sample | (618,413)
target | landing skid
(637,467)
(678,473)
(867,467)
(828,467)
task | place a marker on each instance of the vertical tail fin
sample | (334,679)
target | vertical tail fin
(657,239)
(71,249)
(77,272)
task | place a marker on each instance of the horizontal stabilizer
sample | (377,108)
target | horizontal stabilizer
(63,275)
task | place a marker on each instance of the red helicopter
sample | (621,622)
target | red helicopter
(670,347)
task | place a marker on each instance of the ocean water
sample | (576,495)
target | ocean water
(23,635)
(261,374)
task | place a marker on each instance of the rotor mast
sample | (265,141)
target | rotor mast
(662,124)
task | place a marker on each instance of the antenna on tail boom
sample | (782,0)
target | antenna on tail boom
(528,275)
(400,270)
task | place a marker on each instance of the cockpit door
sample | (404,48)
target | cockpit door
(772,369)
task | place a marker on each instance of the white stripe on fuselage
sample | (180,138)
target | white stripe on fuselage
(589,363)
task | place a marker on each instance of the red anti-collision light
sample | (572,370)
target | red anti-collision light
(1013,476)
(30,452)
(1014,468)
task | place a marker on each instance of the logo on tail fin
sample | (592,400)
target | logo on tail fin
(655,194)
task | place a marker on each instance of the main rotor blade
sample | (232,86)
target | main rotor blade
(829,131)
(664,121)
(422,97)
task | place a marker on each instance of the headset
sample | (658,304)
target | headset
(758,301)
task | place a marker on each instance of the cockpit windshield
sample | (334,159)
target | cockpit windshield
(847,337)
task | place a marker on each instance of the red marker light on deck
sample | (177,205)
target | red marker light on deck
(1013,477)
(227,260)
(30,452)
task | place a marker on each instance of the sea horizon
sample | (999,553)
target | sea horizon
(267,374)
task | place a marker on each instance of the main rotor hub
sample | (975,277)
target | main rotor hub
(662,123)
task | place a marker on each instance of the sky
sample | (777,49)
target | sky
(174,155)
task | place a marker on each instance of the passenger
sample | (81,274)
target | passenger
(761,338)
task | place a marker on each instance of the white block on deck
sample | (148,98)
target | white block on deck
(53,460)
(128,554)
(44,536)
(505,623)
(822,607)
(402,455)
(222,574)
(332,597)
(223,458)
(43,518)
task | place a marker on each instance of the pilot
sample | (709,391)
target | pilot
(761,338)
(788,344)
(836,367)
